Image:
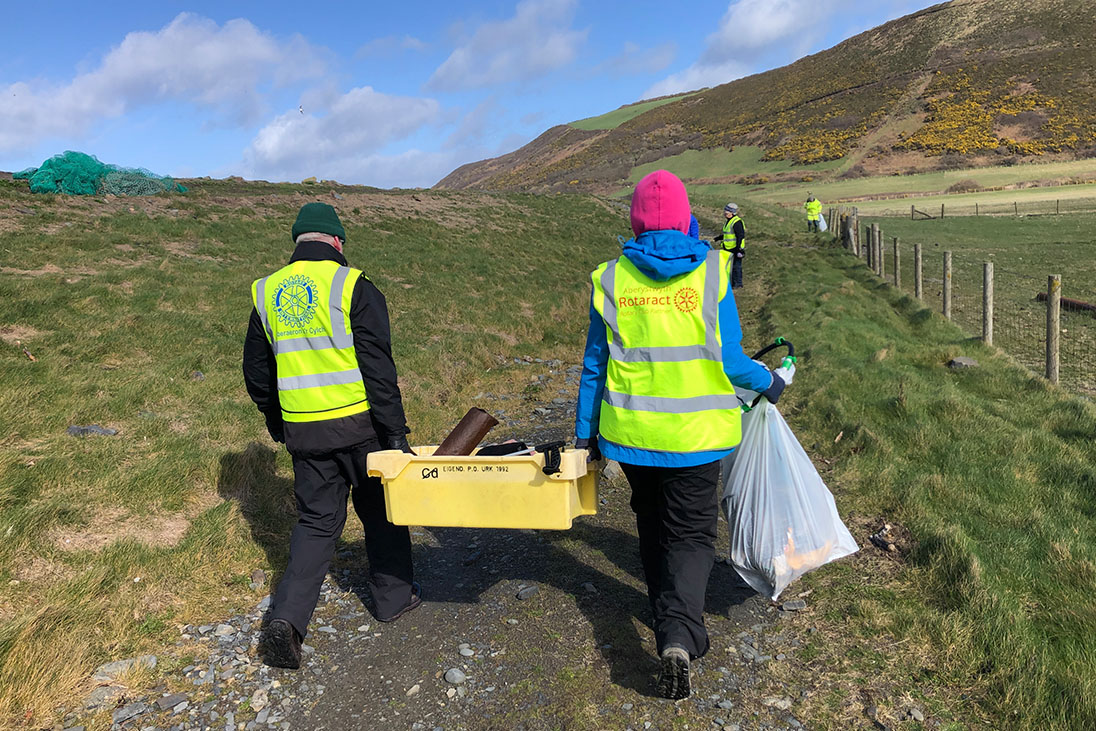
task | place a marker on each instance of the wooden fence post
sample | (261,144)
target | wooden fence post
(869,252)
(947,284)
(976,208)
(941,211)
(918,286)
(854,230)
(880,266)
(897,267)
(911,211)
(1054,313)
(1015,208)
(987,303)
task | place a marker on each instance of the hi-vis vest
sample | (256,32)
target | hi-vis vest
(665,389)
(305,309)
(729,241)
(814,209)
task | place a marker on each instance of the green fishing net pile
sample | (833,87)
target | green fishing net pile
(77,173)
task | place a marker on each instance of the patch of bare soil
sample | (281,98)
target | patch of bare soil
(17,334)
(1022,127)
(41,271)
(35,569)
(109,526)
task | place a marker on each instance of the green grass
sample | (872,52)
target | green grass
(617,117)
(121,301)
(743,160)
(991,469)
(1024,251)
(829,191)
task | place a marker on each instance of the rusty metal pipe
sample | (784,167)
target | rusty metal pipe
(469,433)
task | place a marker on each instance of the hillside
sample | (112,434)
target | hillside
(961,84)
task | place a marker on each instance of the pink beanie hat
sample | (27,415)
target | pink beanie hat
(660,203)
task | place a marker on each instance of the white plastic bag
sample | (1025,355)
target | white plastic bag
(822,223)
(783,520)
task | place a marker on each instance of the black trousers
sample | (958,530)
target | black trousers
(676,513)
(321,485)
(812,226)
(736,273)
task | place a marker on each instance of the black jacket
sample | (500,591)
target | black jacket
(373,345)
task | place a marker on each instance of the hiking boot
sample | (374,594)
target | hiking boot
(413,603)
(280,645)
(673,675)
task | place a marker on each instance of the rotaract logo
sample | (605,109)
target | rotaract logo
(686,299)
(295,301)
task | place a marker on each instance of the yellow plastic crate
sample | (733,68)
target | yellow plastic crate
(484,492)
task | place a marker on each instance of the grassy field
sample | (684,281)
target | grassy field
(984,616)
(1024,250)
(922,184)
(990,469)
(134,312)
(617,117)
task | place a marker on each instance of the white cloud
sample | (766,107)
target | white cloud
(192,59)
(344,142)
(697,76)
(637,59)
(538,39)
(747,30)
(475,124)
(390,44)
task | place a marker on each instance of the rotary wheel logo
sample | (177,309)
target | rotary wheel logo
(686,299)
(295,301)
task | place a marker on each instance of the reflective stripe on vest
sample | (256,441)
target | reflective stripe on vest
(659,396)
(728,231)
(305,311)
(710,350)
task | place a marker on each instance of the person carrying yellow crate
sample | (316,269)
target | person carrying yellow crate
(318,364)
(663,355)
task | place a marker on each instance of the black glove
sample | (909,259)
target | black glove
(739,253)
(590,445)
(718,237)
(399,442)
(772,393)
(275,427)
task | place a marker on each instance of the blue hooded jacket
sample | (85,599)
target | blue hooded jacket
(661,255)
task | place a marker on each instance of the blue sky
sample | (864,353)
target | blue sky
(392,94)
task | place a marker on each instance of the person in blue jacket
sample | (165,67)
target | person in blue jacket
(674,494)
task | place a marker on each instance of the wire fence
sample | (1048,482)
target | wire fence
(928,209)
(1019,304)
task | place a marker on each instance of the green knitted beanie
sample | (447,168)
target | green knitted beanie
(318,218)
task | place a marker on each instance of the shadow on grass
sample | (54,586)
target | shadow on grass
(249,478)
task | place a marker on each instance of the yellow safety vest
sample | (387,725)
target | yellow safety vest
(814,209)
(305,309)
(729,241)
(665,389)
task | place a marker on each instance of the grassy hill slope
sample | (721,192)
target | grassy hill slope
(974,80)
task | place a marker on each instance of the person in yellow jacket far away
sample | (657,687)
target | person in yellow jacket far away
(813,207)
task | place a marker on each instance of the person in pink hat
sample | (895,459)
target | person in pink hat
(663,355)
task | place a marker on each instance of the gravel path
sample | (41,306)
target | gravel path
(518,630)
